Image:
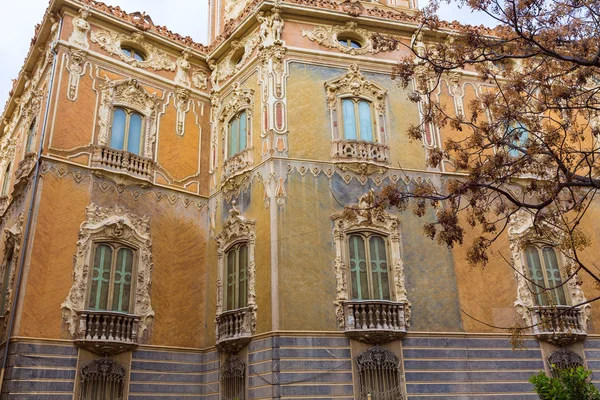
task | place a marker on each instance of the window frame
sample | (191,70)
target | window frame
(128,113)
(367,234)
(31,133)
(357,121)
(134,51)
(539,246)
(236,246)
(230,122)
(116,246)
(6,180)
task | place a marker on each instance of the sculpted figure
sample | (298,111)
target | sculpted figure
(183,68)
(80,30)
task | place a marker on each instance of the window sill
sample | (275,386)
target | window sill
(238,163)
(560,325)
(234,329)
(107,332)
(123,162)
(360,151)
(374,321)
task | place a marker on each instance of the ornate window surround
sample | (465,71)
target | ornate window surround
(237,229)
(12,250)
(113,224)
(128,93)
(328,36)
(377,221)
(354,84)
(521,232)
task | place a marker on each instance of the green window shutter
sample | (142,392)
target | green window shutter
(243,276)
(536,275)
(379,268)
(231,281)
(234,136)
(358,268)
(243,130)
(101,277)
(553,274)
(122,281)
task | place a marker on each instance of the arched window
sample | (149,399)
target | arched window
(30,136)
(233,385)
(238,133)
(133,53)
(368,262)
(544,271)
(518,135)
(236,294)
(6,180)
(126,132)
(358,119)
(379,375)
(349,42)
(102,379)
(111,280)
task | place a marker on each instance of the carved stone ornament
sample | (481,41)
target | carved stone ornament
(368,218)
(234,60)
(182,97)
(237,229)
(271,26)
(76,71)
(200,79)
(182,77)
(128,93)
(81,27)
(233,8)
(12,250)
(563,359)
(329,36)
(111,224)
(111,42)
(521,232)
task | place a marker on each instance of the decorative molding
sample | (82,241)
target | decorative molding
(111,43)
(271,27)
(76,71)
(563,359)
(112,224)
(233,8)
(12,250)
(182,97)
(128,93)
(200,79)
(521,231)
(230,64)
(236,229)
(183,70)
(81,27)
(328,36)
(378,220)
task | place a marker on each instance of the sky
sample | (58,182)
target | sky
(186,17)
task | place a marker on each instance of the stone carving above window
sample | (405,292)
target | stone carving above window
(349,38)
(128,93)
(200,79)
(549,323)
(234,60)
(111,42)
(112,224)
(371,219)
(81,28)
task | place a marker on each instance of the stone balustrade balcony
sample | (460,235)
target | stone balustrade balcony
(123,162)
(238,163)
(106,332)
(374,321)
(559,325)
(234,329)
(360,151)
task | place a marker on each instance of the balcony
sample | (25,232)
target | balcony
(234,329)
(374,321)
(237,163)
(24,169)
(123,162)
(107,333)
(560,325)
(360,151)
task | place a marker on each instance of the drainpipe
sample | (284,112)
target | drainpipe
(35,185)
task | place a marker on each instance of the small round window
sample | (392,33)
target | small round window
(238,57)
(133,53)
(349,42)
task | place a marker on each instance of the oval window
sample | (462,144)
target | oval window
(349,42)
(133,53)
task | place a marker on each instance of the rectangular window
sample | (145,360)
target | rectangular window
(358,119)
(126,131)
(370,280)
(544,274)
(111,278)
(30,136)
(238,134)
(237,278)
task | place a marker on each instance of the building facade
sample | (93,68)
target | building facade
(172,222)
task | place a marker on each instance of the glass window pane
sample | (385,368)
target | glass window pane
(358,268)
(534,268)
(522,136)
(100,277)
(117,136)
(553,274)
(349,119)
(138,56)
(122,282)
(379,268)
(234,134)
(126,51)
(134,139)
(231,281)
(243,276)
(366,123)
(243,130)
(30,135)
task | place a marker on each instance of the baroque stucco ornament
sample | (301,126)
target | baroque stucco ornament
(111,224)
(234,60)
(128,93)
(372,219)
(81,27)
(521,231)
(237,229)
(329,36)
(12,250)
(155,58)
